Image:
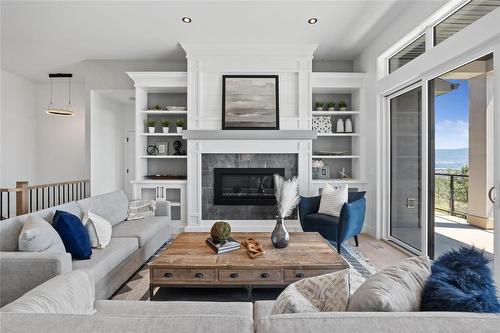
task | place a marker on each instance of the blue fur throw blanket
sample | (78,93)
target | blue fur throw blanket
(460,281)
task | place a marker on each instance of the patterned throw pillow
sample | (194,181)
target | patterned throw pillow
(139,209)
(324,293)
(332,199)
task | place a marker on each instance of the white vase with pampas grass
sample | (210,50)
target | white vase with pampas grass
(287,198)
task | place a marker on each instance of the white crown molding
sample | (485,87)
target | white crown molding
(159,79)
(244,49)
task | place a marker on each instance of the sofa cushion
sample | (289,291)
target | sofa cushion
(71,293)
(38,235)
(461,281)
(73,234)
(98,228)
(111,206)
(105,260)
(144,229)
(397,288)
(332,199)
(323,219)
(324,293)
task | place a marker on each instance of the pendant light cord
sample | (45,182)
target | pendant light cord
(69,91)
(50,91)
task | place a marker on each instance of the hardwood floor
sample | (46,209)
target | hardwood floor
(380,253)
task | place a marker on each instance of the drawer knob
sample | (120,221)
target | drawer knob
(198,275)
(264,275)
(234,275)
(168,275)
(299,275)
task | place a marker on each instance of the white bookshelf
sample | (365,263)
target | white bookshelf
(334,87)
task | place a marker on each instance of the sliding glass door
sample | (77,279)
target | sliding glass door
(405,168)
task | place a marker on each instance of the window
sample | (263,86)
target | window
(407,54)
(463,17)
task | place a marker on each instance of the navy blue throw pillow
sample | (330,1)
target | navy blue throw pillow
(461,281)
(73,234)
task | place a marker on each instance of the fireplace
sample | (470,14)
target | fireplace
(245,186)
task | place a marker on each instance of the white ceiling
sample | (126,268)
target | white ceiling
(39,37)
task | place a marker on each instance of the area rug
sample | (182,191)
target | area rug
(137,287)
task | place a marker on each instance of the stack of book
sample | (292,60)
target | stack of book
(227,246)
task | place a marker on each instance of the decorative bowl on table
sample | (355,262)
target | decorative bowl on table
(176,108)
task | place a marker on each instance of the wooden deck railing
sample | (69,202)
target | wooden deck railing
(24,198)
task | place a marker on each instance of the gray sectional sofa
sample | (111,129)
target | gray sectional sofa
(133,242)
(51,308)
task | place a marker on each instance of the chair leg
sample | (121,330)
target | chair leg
(356,240)
(338,247)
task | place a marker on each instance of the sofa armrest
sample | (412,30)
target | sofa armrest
(352,218)
(22,271)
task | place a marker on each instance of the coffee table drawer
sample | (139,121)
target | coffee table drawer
(248,275)
(177,275)
(297,274)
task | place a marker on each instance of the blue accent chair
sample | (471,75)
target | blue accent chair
(337,229)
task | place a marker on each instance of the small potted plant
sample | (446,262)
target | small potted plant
(180,124)
(151,123)
(319,106)
(331,106)
(157,107)
(342,106)
(165,123)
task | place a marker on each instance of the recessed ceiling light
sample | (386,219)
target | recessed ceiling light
(312,20)
(186,19)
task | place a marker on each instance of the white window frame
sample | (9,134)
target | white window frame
(426,27)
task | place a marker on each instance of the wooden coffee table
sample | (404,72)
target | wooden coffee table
(189,262)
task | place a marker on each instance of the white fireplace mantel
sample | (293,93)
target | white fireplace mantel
(249,135)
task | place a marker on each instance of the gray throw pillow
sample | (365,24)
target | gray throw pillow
(397,288)
(38,235)
(324,293)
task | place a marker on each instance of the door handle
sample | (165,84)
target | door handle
(490,194)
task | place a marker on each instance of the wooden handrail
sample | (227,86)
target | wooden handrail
(60,184)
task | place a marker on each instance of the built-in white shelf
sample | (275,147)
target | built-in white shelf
(334,156)
(249,135)
(159,181)
(163,156)
(164,113)
(334,113)
(338,134)
(160,134)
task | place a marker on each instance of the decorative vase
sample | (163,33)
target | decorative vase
(151,130)
(343,108)
(348,126)
(165,130)
(179,130)
(319,108)
(280,236)
(340,126)
(331,109)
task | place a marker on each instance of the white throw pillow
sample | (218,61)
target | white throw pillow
(324,293)
(98,228)
(38,235)
(332,199)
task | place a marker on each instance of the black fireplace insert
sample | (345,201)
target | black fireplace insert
(245,186)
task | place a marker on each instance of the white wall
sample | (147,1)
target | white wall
(18,129)
(107,133)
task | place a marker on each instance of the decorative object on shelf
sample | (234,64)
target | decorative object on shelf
(165,123)
(157,107)
(340,126)
(316,167)
(254,248)
(324,172)
(250,102)
(344,175)
(152,150)
(323,124)
(151,123)
(287,198)
(176,108)
(177,146)
(60,111)
(162,148)
(319,105)
(331,106)
(179,123)
(220,231)
(342,106)
(348,125)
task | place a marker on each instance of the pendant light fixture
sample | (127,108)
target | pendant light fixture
(60,111)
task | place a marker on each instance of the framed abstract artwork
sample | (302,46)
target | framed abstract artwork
(250,102)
